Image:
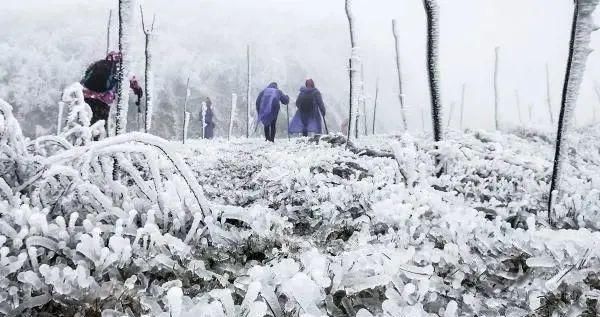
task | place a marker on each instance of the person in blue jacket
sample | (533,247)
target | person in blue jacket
(311,111)
(267,108)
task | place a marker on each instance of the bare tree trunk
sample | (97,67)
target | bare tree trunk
(148,74)
(398,69)
(375,104)
(496,114)
(186,125)
(432,12)
(203,115)
(232,115)
(185,112)
(581,30)
(518,100)
(125,14)
(352,66)
(548,97)
(462,105)
(249,86)
(61,109)
(108,31)
(530,113)
(364,99)
(423,119)
(450,113)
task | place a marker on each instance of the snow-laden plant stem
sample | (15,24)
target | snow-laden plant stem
(125,16)
(581,32)
(148,74)
(185,112)
(597,90)
(353,67)
(232,114)
(248,91)
(360,102)
(375,104)
(398,70)
(548,98)
(496,101)
(432,12)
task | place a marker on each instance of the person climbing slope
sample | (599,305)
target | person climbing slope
(100,85)
(311,111)
(267,107)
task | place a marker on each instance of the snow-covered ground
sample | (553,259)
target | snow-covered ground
(296,228)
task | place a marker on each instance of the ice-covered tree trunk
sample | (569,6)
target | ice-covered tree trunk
(232,115)
(61,109)
(398,70)
(125,16)
(518,101)
(496,101)
(432,12)
(375,104)
(203,117)
(186,125)
(462,105)
(581,33)
(450,113)
(108,25)
(248,91)
(148,73)
(353,66)
(548,96)
(530,107)
(433,33)
(185,112)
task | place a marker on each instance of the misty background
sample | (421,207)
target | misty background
(46,45)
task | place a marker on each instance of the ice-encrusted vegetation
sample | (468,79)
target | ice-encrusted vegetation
(246,228)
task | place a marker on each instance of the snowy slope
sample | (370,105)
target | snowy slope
(297,228)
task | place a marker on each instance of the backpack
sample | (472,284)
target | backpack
(100,76)
(305,102)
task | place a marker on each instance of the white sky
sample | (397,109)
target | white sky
(530,33)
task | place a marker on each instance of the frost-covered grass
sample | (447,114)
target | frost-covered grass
(249,228)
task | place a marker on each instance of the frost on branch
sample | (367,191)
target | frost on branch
(579,50)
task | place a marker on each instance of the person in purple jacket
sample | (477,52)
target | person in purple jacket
(267,107)
(311,111)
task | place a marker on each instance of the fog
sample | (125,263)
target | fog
(292,40)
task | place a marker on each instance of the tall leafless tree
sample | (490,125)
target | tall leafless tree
(148,73)
(185,111)
(353,66)
(399,71)
(432,13)
(581,33)
(518,102)
(248,91)
(496,96)
(375,104)
(108,25)
(125,15)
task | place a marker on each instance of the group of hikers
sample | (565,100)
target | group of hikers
(100,85)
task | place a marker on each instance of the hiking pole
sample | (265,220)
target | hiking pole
(287,107)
